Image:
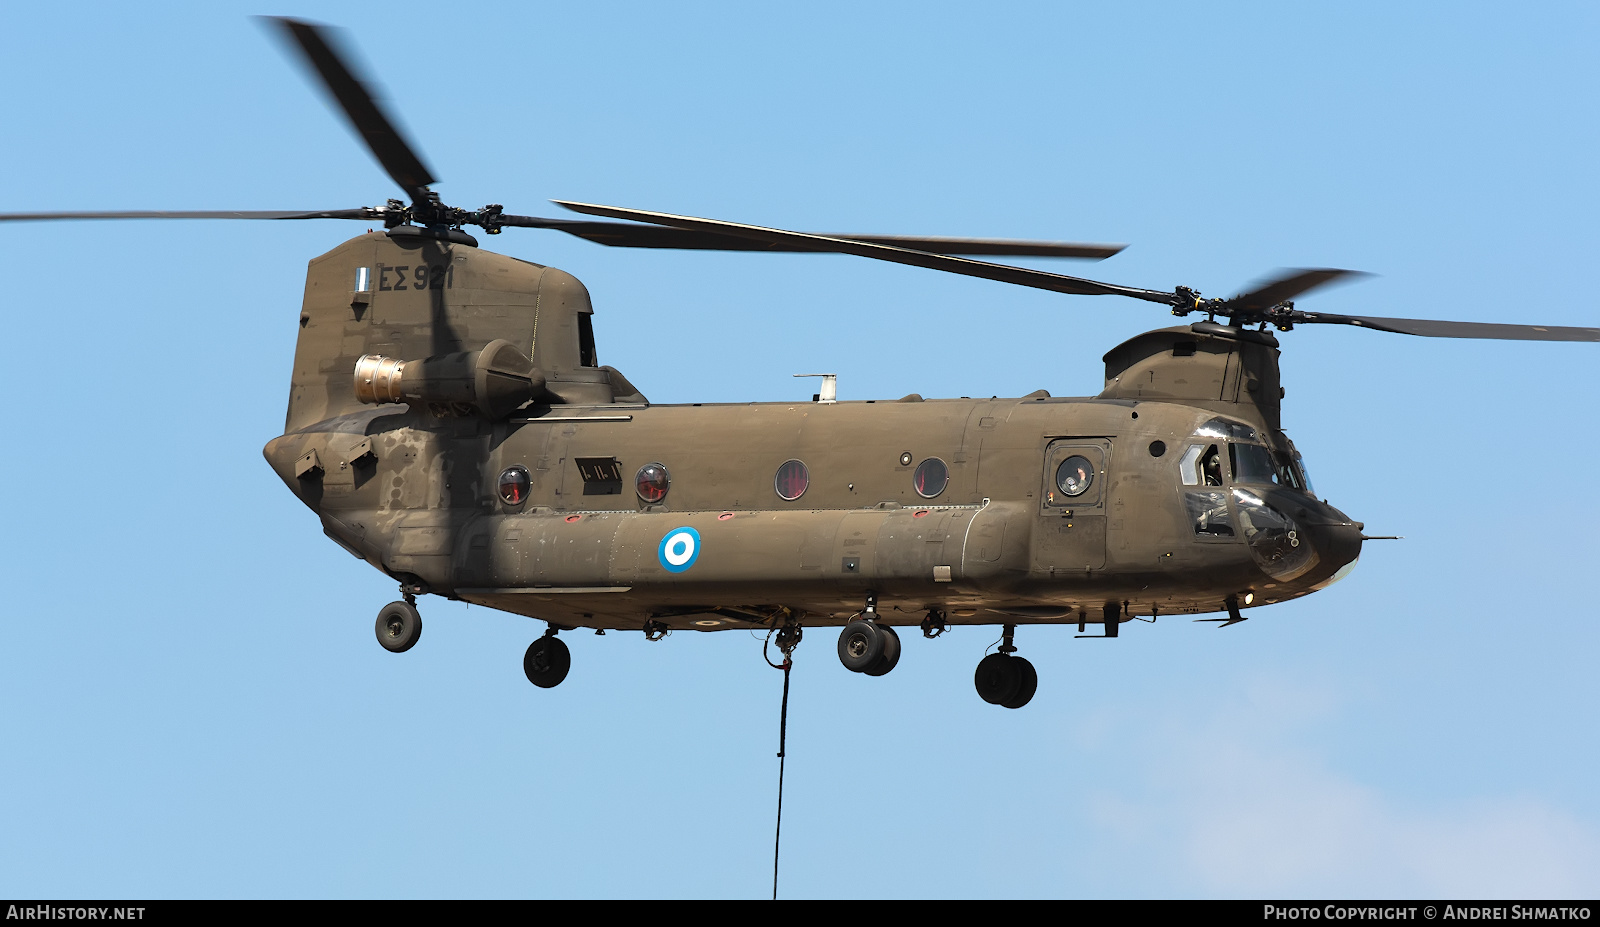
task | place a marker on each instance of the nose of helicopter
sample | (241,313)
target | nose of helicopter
(1337,540)
(1296,539)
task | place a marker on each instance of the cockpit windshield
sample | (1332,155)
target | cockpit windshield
(1305,478)
(1253,463)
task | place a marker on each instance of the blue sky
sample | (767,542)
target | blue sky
(191,701)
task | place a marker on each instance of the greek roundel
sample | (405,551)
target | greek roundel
(679,549)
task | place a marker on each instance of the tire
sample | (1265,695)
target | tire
(998,679)
(891,652)
(398,627)
(860,645)
(1029,684)
(547,661)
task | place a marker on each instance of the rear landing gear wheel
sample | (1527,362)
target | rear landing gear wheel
(399,627)
(1028,685)
(998,679)
(1006,680)
(547,661)
(891,652)
(861,645)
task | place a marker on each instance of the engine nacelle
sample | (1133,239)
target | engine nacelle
(496,380)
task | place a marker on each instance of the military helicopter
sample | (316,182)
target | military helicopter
(450,424)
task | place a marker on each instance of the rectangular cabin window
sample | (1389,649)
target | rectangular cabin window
(602,476)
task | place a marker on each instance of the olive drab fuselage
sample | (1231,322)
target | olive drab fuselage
(1185,496)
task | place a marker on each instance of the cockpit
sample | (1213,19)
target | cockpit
(1229,476)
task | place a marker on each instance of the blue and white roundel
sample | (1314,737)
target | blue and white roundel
(679,549)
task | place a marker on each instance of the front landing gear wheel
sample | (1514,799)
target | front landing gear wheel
(891,652)
(861,646)
(547,661)
(399,627)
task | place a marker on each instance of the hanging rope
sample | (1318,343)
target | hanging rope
(788,639)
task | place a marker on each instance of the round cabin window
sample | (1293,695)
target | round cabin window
(651,482)
(1074,476)
(931,478)
(792,480)
(514,483)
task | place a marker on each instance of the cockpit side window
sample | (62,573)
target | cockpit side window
(1201,464)
(1208,513)
(1211,466)
(1189,465)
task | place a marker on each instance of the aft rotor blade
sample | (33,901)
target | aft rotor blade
(1004,273)
(1431,328)
(185,214)
(630,235)
(359,103)
(1290,285)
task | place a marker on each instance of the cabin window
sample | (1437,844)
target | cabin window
(1075,476)
(514,483)
(791,480)
(651,482)
(931,477)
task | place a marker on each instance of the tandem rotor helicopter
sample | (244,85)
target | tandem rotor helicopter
(449,423)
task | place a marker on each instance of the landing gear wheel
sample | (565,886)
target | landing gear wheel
(999,678)
(547,661)
(891,652)
(861,645)
(399,627)
(1029,684)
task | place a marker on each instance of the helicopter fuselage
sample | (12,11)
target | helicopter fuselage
(1152,532)
(1174,492)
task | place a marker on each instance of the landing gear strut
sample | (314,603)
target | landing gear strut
(865,646)
(1003,679)
(399,624)
(547,661)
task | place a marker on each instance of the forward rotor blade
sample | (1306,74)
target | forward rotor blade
(1430,328)
(630,235)
(1289,285)
(359,103)
(1004,273)
(181,214)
